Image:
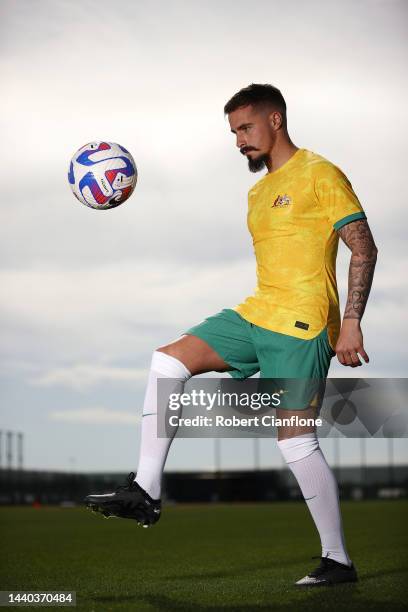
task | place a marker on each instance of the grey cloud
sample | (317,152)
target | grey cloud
(105,288)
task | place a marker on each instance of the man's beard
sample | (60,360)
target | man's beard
(257,164)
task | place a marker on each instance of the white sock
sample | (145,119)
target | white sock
(319,488)
(154,450)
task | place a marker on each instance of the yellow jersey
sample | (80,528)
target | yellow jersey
(293,217)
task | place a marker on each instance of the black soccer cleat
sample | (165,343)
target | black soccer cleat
(328,573)
(129,501)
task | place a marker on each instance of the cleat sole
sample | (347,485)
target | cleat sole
(111,510)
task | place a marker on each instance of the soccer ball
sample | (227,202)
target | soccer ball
(102,175)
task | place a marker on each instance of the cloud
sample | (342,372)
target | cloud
(88,326)
(113,312)
(192,181)
(85,376)
(95,416)
(88,294)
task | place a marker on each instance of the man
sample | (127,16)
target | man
(289,328)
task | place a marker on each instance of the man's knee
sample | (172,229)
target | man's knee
(167,349)
(169,365)
(175,349)
(183,350)
(303,422)
(195,354)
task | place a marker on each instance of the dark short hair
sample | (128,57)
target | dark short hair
(259,96)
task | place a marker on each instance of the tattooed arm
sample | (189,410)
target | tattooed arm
(357,236)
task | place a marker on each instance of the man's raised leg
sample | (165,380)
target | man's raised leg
(139,498)
(179,360)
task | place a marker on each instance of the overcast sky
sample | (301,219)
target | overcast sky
(88,295)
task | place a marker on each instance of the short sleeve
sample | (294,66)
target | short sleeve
(335,194)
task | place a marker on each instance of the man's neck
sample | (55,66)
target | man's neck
(280,155)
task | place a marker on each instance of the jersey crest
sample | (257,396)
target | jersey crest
(281,201)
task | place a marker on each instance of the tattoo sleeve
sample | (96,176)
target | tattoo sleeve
(357,236)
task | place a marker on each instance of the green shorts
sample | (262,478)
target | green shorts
(248,349)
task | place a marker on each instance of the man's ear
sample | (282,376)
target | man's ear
(275,120)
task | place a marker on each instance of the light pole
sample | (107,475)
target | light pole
(9,449)
(20,459)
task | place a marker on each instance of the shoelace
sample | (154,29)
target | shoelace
(129,481)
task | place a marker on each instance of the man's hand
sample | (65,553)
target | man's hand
(350,344)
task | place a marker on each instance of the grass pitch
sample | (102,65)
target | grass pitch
(202,558)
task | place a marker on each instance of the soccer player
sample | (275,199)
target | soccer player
(289,328)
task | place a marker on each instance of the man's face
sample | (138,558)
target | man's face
(254,135)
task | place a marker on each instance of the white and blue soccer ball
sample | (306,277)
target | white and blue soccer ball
(102,175)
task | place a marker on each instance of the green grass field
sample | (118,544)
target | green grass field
(204,557)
